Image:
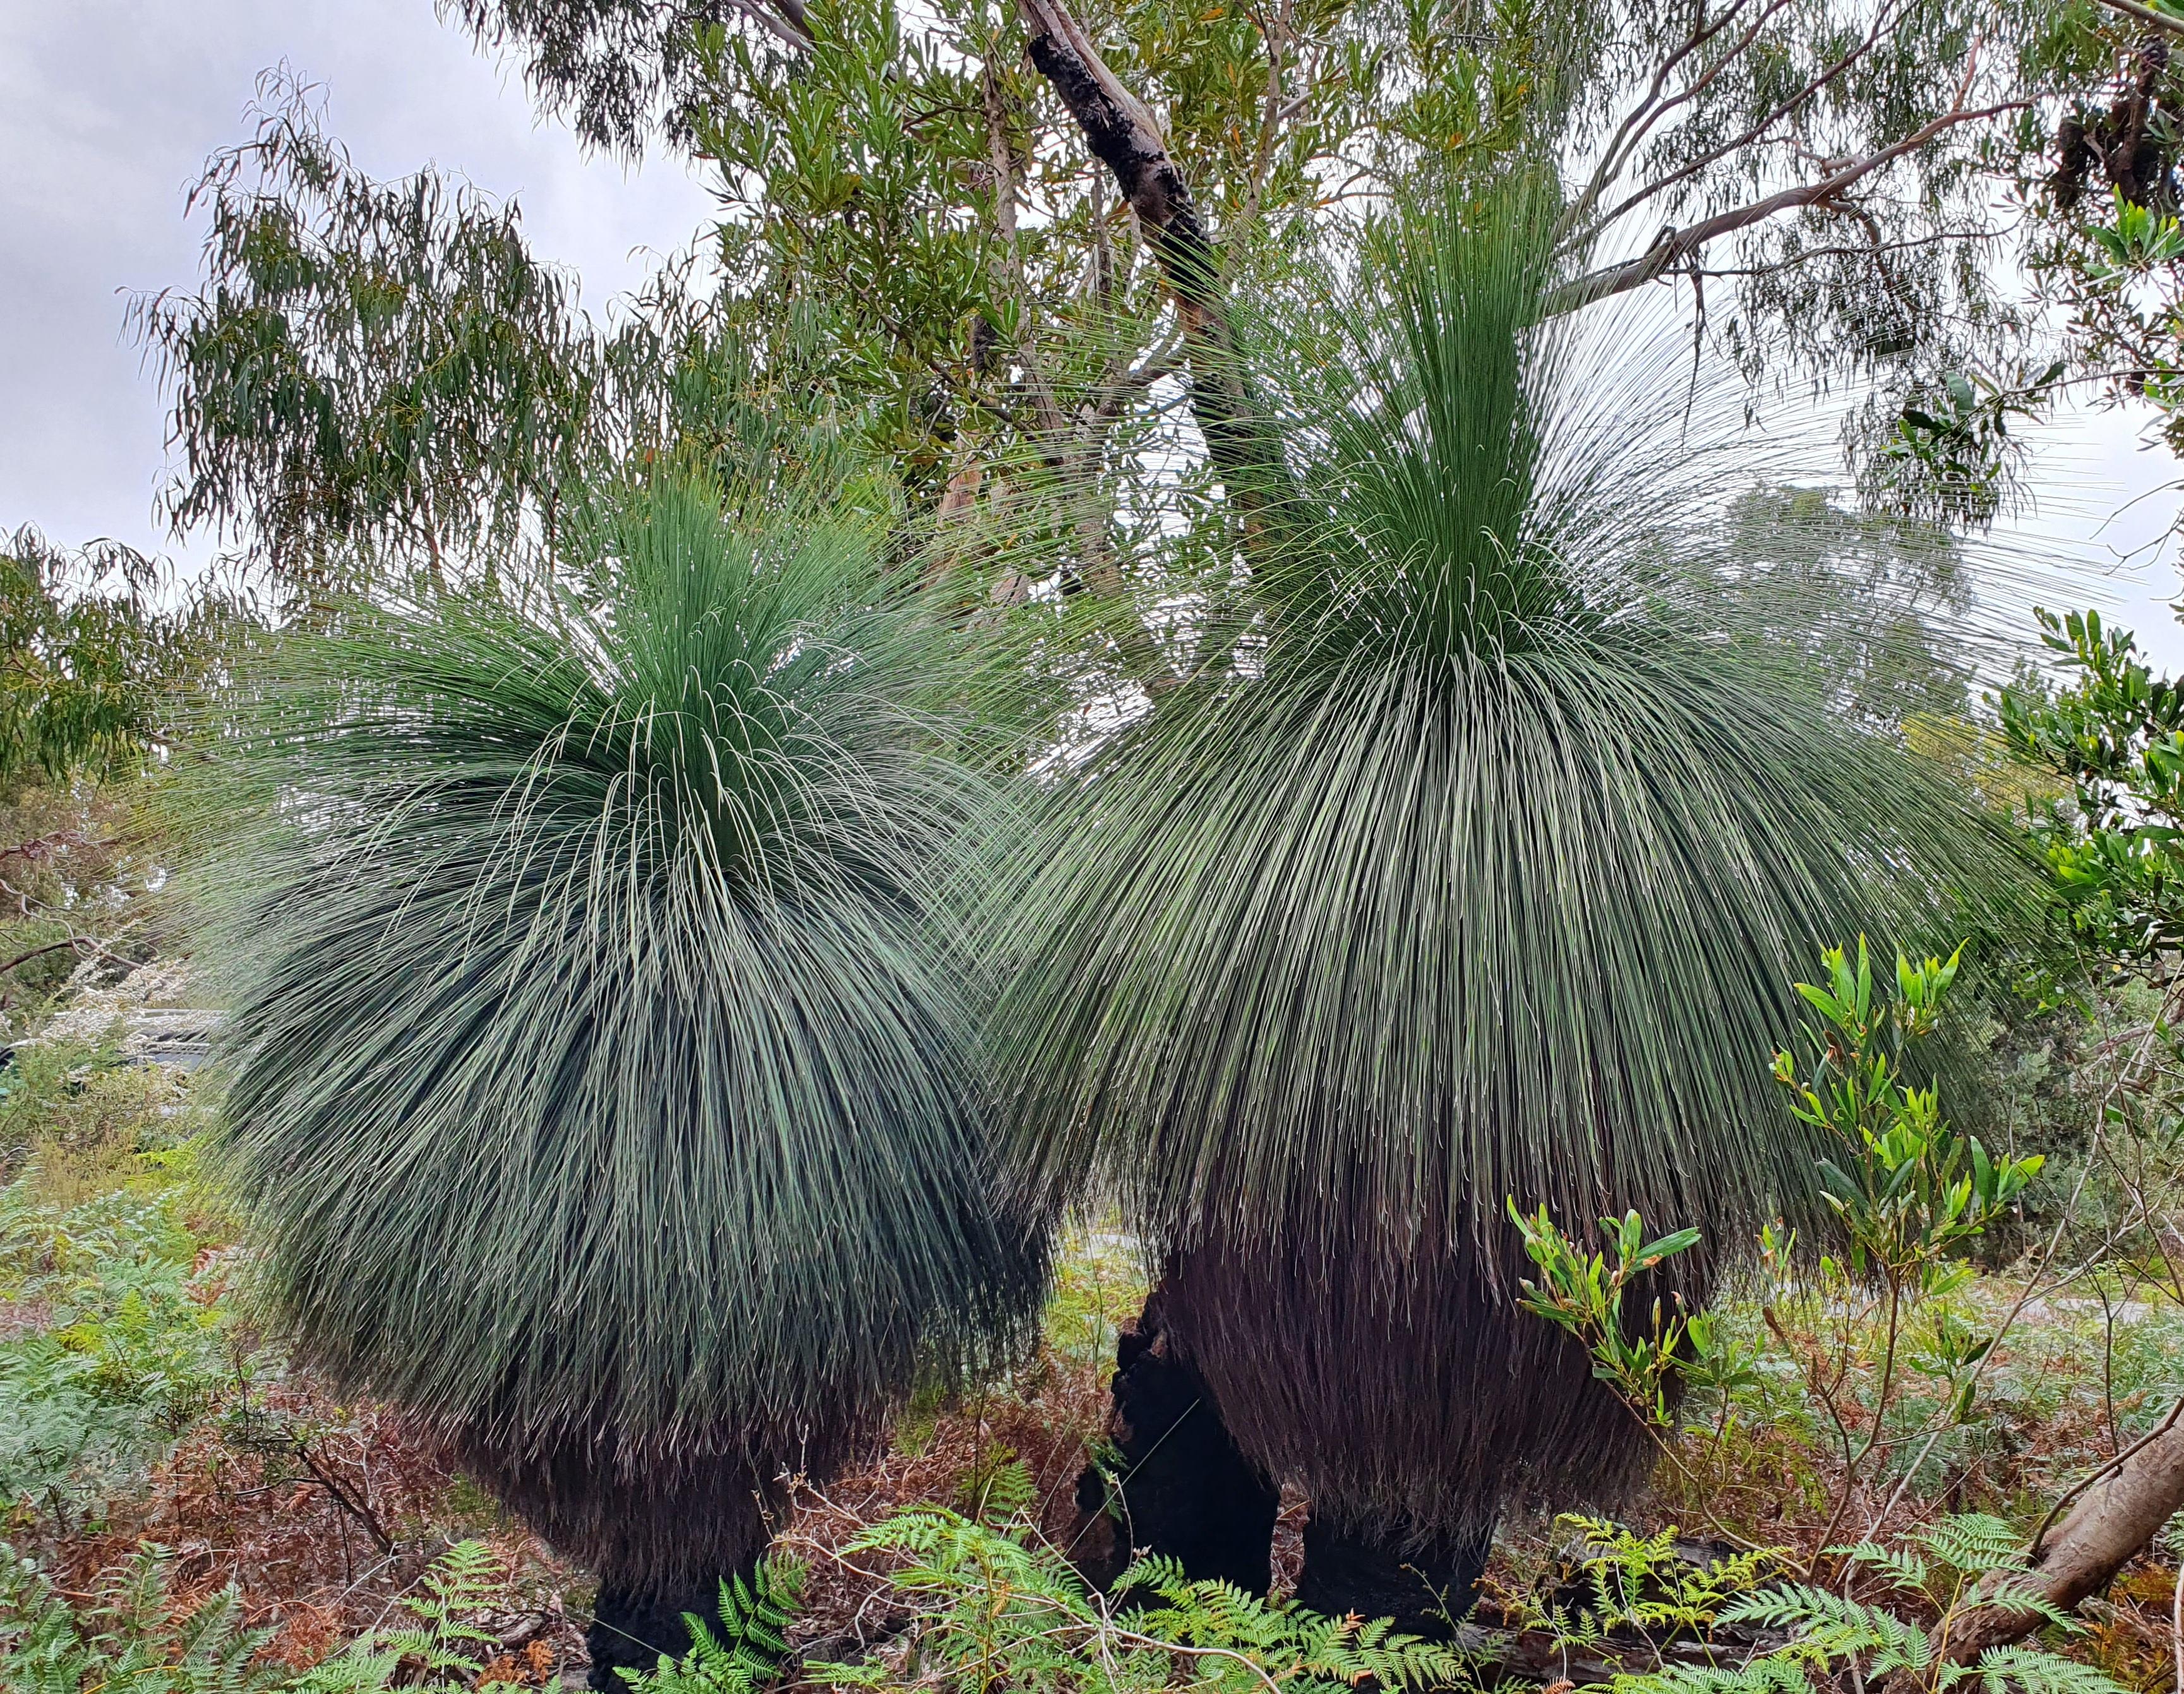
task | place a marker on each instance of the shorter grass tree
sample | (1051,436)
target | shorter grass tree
(601,1049)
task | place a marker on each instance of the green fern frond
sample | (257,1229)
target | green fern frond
(2023,1669)
(1830,1626)
(1160,1573)
(1000,1610)
(1768,1675)
(998,1488)
(1903,1568)
(2022,1591)
(742,1650)
(128,1641)
(1973,1543)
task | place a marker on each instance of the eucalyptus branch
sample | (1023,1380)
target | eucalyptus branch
(1647,112)
(1676,247)
(85,942)
(1782,109)
(787,24)
(2160,20)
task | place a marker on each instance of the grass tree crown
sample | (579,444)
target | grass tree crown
(600,1042)
(1476,860)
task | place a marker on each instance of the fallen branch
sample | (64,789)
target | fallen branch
(2109,1526)
(356,1509)
(2040,1534)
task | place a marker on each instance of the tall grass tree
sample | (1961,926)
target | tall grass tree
(1475,860)
(602,1049)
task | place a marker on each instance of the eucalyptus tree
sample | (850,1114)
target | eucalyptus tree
(378,382)
(1475,861)
(1822,179)
(99,646)
(989,240)
(373,372)
(602,1076)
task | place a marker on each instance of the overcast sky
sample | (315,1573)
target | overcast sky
(107,108)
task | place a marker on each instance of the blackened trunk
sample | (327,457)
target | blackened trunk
(1427,1585)
(661,1528)
(1180,1488)
(634,1624)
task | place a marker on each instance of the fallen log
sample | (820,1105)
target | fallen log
(2120,1511)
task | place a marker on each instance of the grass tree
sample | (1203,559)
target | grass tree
(600,1042)
(1476,860)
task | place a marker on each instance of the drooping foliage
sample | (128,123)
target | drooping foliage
(1477,861)
(378,381)
(373,372)
(601,1079)
(97,645)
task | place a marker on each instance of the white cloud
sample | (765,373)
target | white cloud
(2106,501)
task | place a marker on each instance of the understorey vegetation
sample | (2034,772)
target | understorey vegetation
(1841,1458)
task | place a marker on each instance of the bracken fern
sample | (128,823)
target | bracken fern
(997,1609)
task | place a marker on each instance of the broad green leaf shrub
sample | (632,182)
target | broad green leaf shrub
(2113,730)
(1882,1360)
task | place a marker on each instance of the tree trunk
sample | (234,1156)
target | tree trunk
(1426,1585)
(1124,134)
(634,1624)
(2116,1517)
(1181,1487)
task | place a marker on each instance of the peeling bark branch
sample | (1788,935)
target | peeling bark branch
(2146,14)
(785,20)
(1751,137)
(1124,134)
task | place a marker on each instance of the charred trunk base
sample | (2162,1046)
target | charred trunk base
(661,1526)
(633,1624)
(1426,1585)
(1177,1484)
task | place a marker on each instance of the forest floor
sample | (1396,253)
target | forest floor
(142,1405)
